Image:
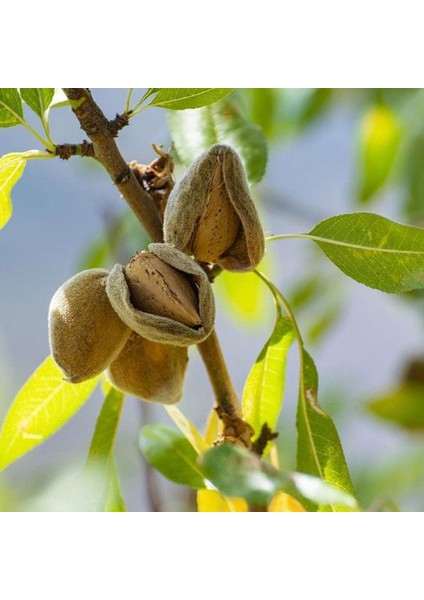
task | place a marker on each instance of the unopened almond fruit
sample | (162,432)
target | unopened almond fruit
(85,333)
(210,213)
(149,370)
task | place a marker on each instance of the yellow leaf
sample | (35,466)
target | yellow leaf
(42,406)
(284,503)
(212,501)
(187,428)
(244,296)
(380,135)
(213,428)
(11,168)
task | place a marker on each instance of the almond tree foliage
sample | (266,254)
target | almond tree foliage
(128,329)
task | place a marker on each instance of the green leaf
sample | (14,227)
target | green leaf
(195,131)
(313,105)
(100,457)
(264,388)
(305,290)
(403,406)
(182,98)
(59,99)
(263,103)
(95,255)
(325,320)
(319,450)
(373,250)
(172,455)
(11,112)
(413,178)
(243,296)
(42,406)
(380,136)
(187,428)
(115,500)
(11,169)
(106,427)
(38,99)
(238,473)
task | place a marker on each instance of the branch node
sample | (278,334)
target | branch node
(118,123)
(98,128)
(236,430)
(123,177)
(266,435)
(65,151)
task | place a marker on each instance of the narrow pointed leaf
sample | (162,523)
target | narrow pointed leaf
(42,406)
(238,473)
(11,112)
(380,136)
(59,99)
(264,388)
(115,500)
(213,501)
(182,98)
(235,472)
(38,99)
(195,131)
(187,428)
(11,168)
(319,450)
(213,429)
(106,428)
(243,296)
(285,503)
(374,250)
(403,406)
(172,455)
(100,458)
(413,178)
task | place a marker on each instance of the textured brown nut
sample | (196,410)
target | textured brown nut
(152,371)
(211,215)
(159,289)
(158,327)
(85,332)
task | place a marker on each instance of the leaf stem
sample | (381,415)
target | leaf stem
(281,299)
(46,128)
(134,110)
(323,240)
(127,103)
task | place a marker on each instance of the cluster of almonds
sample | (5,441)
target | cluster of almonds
(137,321)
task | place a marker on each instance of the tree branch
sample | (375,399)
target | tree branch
(100,132)
(236,430)
(225,393)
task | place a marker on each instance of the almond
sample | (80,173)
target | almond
(164,296)
(210,213)
(85,332)
(149,370)
(159,289)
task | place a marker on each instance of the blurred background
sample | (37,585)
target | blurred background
(330,151)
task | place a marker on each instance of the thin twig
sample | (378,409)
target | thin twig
(98,129)
(65,151)
(266,435)
(225,393)
(236,430)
